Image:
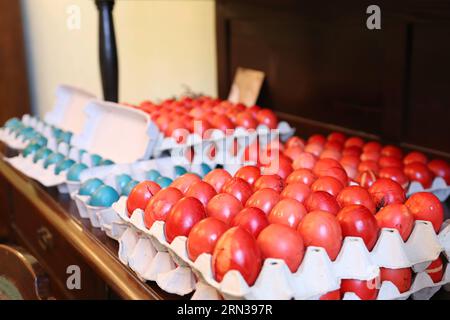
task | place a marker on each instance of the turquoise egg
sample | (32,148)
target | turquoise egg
(17,129)
(164,182)
(74,172)
(127,189)
(57,133)
(81,152)
(30,149)
(13,123)
(105,196)
(90,186)
(65,136)
(39,139)
(26,132)
(53,158)
(30,134)
(152,175)
(122,180)
(64,165)
(179,171)
(96,160)
(42,153)
(205,169)
(106,162)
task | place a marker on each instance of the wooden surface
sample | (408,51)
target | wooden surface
(74,241)
(24,273)
(325,70)
(14,94)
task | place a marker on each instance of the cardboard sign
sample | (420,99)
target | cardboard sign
(246,86)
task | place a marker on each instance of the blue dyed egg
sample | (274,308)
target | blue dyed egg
(90,186)
(64,165)
(53,158)
(152,175)
(106,162)
(122,180)
(163,182)
(31,149)
(42,153)
(81,152)
(57,133)
(179,171)
(40,139)
(96,160)
(74,172)
(27,133)
(127,189)
(105,196)
(205,169)
(65,136)
(13,123)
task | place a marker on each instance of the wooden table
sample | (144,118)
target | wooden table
(47,223)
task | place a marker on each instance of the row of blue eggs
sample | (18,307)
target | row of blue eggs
(101,195)
(61,162)
(30,134)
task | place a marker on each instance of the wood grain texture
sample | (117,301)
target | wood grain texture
(14,95)
(325,69)
(75,241)
(21,272)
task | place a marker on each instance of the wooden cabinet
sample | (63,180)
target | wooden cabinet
(14,94)
(325,70)
(48,225)
(50,247)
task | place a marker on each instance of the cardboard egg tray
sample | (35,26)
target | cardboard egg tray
(17,142)
(316,275)
(67,114)
(439,188)
(221,143)
(47,176)
(107,218)
(123,135)
(68,111)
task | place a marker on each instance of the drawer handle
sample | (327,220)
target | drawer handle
(45,238)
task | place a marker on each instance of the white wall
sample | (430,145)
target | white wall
(162,44)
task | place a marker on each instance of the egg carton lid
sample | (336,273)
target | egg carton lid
(68,110)
(115,132)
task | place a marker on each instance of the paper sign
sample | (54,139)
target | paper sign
(246,86)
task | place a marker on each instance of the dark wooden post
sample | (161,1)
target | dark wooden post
(108,51)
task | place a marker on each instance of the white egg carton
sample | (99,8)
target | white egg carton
(115,132)
(68,111)
(222,143)
(123,135)
(104,217)
(439,188)
(47,176)
(316,275)
(422,288)
(67,114)
(9,137)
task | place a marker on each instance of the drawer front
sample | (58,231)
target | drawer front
(55,253)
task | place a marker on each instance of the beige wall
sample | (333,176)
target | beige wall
(162,44)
